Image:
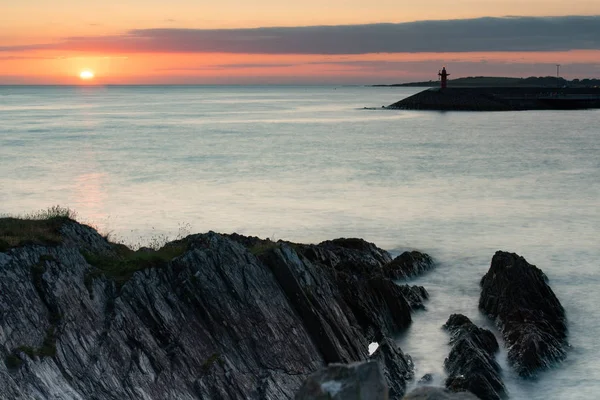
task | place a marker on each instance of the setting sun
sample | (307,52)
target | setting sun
(86,75)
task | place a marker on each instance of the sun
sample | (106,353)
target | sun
(86,75)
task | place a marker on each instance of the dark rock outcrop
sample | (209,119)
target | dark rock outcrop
(415,296)
(407,265)
(532,320)
(398,367)
(358,381)
(207,317)
(434,393)
(471,365)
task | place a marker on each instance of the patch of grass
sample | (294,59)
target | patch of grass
(215,358)
(37,271)
(121,265)
(41,227)
(13,361)
(51,213)
(30,351)
(47,258)
(262,247)
(16,232)
(47,349)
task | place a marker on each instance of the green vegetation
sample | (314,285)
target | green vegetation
(41,227)
(262,246)
(215,358)
(13,361)
(48,349)
(124,262)
(30,351)
(52,212)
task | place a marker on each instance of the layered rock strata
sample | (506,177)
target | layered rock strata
(358,381)
(532,320)
(471,364)
(434,393)
(207,317)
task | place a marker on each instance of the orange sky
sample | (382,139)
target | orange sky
(40,22)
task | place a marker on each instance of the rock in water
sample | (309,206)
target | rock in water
(398,367)
(358,381)
(531,318)
(434,393)
(408,265)
(471,365)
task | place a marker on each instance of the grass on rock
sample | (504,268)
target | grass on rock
(124,262)
(41,227)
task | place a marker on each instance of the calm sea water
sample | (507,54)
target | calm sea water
(308,164)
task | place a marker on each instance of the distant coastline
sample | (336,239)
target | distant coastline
(494,81)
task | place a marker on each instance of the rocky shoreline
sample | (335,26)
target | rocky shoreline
(217,316)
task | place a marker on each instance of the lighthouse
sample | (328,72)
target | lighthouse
(444,76)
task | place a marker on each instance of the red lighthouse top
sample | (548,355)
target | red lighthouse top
(444,76)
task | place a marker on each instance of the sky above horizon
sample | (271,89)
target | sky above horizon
(268,41)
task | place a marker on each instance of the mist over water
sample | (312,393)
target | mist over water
(308,164)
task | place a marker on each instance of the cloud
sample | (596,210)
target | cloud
(233,66)
(466,35)
(12,58)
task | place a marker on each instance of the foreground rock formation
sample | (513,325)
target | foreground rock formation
(358,381)
(532,320)
(398,368)
(407,265)
(471,365)
(206,317)
(433,393)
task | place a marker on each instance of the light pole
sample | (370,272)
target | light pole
(557,75)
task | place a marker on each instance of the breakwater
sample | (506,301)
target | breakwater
(501,99)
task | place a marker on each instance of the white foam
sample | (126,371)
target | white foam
(331,387)
(373,347)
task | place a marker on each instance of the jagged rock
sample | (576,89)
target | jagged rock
(407,265)
(415,295)
(358,381)
(377,293)
(434,393)
(207,317)
(471,365)
(398,368)
(532,320)
(379,306)
(214,319)
(317,299)
(425,379)
(357,251)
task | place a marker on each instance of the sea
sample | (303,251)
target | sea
(145,164)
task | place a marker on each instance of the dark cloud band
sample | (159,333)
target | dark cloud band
(467,35)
